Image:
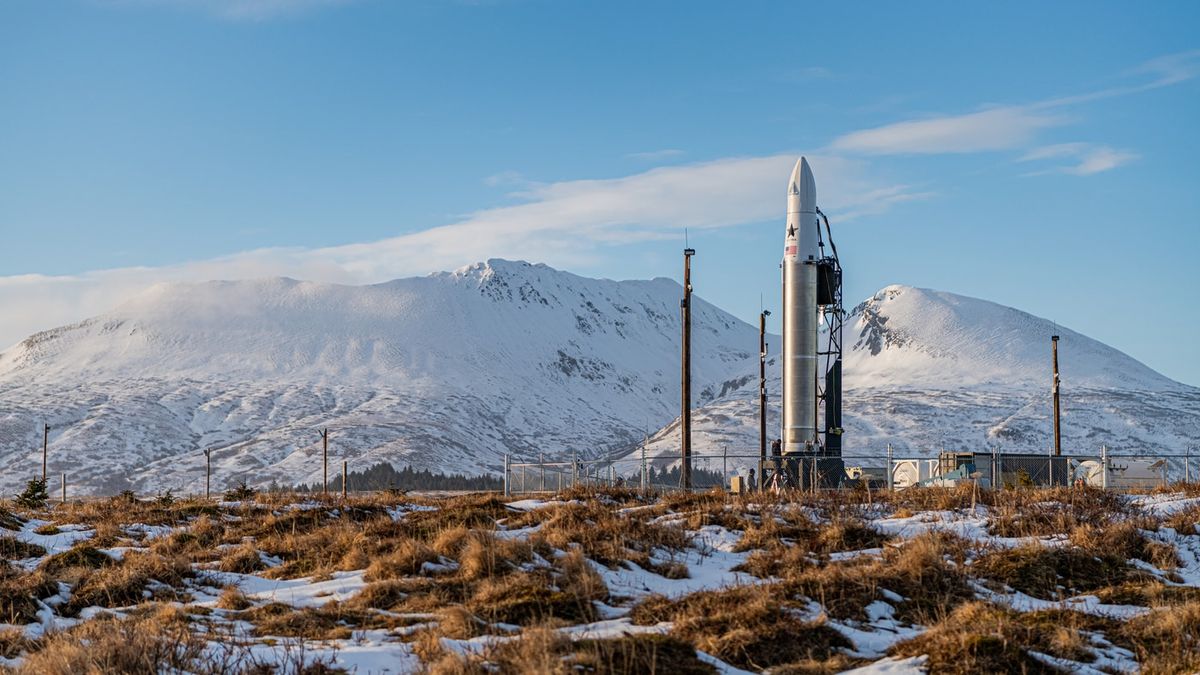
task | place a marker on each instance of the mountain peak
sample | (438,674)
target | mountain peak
(918,335)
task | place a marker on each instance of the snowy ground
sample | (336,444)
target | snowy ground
(712,554)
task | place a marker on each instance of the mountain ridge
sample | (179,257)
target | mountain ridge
(453,370)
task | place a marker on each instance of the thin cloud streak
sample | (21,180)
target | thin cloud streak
(1008,127)
(1088,158)
(655,155)
(235,10)
(995,129)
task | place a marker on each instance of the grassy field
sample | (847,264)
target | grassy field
(607,582)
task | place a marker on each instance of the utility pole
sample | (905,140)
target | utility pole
(45,448)
(325,460)
(685,412)
(762,396)
(207,473)
(345,477)
(1057,412)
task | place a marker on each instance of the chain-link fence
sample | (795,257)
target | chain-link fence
(990,468)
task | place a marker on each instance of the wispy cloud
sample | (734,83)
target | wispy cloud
(656,155)
(994,129)
(235,10)
(1012,126)
(567,224)
(1086,158)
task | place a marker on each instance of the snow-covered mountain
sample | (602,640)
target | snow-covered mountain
(447,372)
(451,371)
(926,370)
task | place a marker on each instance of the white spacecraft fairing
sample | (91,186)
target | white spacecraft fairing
(800,313)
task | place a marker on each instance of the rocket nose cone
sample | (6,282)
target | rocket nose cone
(807,184)
(794,180)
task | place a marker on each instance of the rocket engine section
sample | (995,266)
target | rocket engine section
(800,257)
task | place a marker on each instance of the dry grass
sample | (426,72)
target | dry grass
(19,593)
(540,650)
(15,549)
(1059,572)
(407,560)
(746,627)
(982,638)
(333,621)
(159,643)
(455,568)
(129,582)
(608,537)
(83,556)
(1167,640)
(242,559)
(528,598)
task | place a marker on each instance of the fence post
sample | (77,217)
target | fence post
(1104,466)
(64,488)
(506,490)
(890,468)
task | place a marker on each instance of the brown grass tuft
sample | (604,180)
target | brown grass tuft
(407,560)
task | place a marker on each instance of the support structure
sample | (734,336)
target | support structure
(1057,410)
(345,477)
(685,404)
(833,315)
(45,448)
(208,473)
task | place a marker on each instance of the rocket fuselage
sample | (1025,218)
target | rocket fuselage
(799,266)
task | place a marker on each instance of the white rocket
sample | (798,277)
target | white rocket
(799,266)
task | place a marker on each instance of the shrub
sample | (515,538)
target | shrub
(240,492)
(35,495)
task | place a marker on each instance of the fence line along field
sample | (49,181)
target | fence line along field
(612,581)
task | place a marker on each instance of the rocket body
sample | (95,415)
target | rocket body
(799,267)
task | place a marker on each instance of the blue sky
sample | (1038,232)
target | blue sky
(1041,155)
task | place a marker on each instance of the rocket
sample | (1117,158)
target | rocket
(800,313)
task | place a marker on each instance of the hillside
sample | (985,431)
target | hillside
(447,372)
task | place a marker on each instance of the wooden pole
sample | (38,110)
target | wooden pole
(45,448)
(1057,413)
(208,473)
(685,404)
(345,477)
(762,396)
(64,488)
(325,460)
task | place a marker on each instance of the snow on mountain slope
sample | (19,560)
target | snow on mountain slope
(926,369)
(451,371)
(447,372)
